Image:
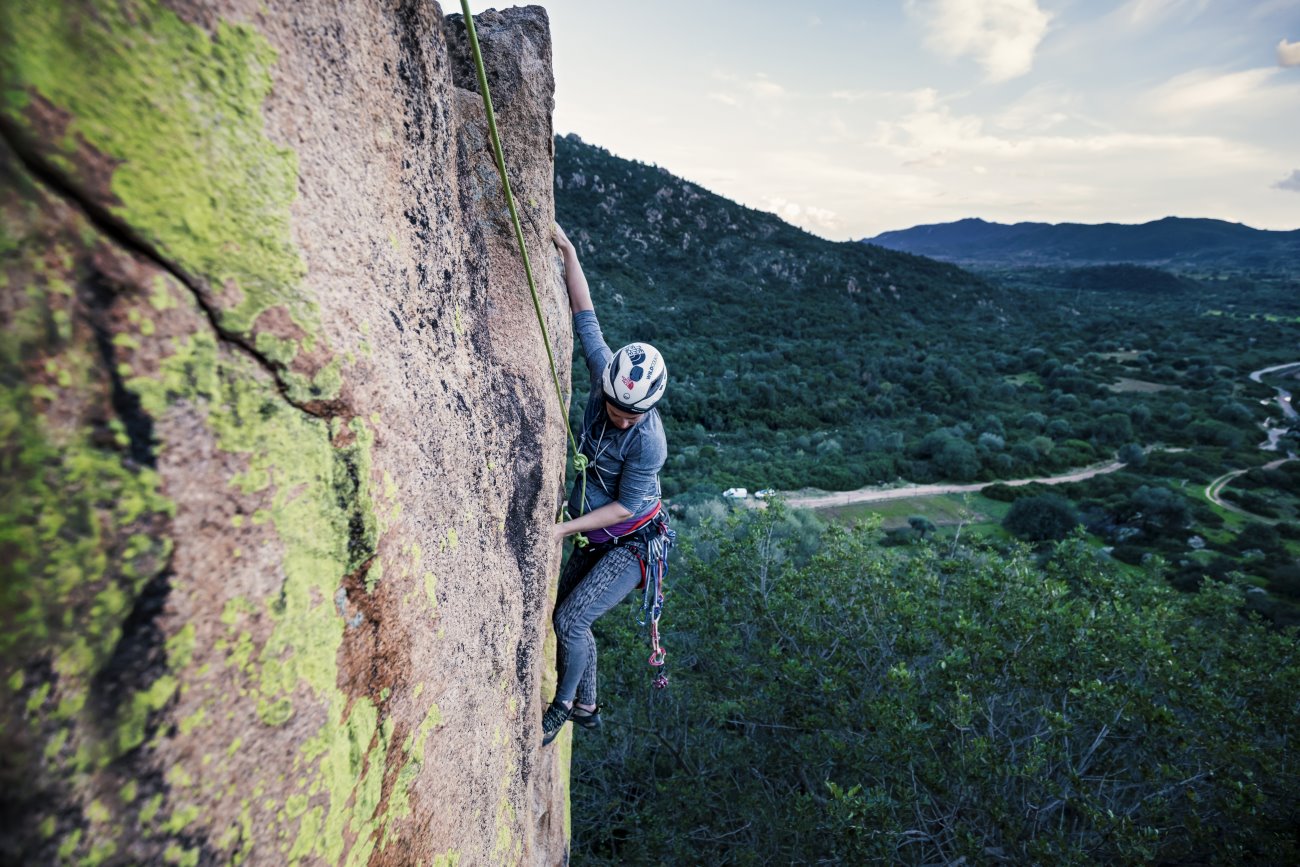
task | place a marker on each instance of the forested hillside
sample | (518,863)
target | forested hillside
(785,348)
(800,362)
(915,692)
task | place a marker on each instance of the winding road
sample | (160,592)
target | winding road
(1214,490)
(1283,401)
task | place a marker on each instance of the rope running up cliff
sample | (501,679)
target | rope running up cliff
(498,154)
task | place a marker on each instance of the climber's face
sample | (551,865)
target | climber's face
(622,419)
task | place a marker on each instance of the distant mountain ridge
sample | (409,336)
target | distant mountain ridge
(1172,241)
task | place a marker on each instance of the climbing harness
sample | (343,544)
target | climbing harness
(498,154)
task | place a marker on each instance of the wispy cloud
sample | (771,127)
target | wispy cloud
(932,135)
(1038,110)
(1140,14)
(1202,89)
(764,88)
(757,85)
(1002,36)
(857,95)
(1288,53)
(740,89)
(1206,90)
(1291,182)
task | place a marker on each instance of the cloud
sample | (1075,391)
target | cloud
(1038,110)
(854,95)
(740,89)
(1291,182)
(764,88)
(1000,35)
(1201,89)
(1288,53)
(932,136)
(801,215)
(1140,14)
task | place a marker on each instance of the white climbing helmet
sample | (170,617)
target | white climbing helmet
(635,377)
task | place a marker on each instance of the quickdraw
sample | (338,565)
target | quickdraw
(654,571)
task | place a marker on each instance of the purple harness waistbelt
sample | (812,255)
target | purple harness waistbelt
(609,534)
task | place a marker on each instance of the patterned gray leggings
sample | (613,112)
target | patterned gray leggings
(590,586)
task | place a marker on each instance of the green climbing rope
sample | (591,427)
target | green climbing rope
(498,154)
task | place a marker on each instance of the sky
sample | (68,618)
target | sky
(854,118)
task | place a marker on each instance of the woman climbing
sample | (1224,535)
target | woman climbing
(623,440)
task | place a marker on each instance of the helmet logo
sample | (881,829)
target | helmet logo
(629,382)
(635,354)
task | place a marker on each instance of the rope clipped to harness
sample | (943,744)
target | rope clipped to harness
(654,572)
(499,156)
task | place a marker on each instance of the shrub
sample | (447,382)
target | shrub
(1285,580)
(1046,517)
(1132,454)
(1260,537)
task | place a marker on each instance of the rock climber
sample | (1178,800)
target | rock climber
(623,440)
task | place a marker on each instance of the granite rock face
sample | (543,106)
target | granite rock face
(279,437)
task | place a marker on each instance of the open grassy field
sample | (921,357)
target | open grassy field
(946,511)
(1136,386)
(1028,378)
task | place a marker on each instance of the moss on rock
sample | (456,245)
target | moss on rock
(160,123)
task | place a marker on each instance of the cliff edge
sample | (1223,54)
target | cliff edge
(278,439)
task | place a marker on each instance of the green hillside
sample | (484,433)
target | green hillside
(915,692)
(797,362)
(784,349)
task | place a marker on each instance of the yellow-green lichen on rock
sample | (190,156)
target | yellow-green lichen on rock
(319,508)
(178,112)
(83,525)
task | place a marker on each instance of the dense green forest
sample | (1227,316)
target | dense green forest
(801,363)
(924,693)
(797,362)
(863,705)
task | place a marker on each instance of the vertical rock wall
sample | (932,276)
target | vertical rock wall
(277,437)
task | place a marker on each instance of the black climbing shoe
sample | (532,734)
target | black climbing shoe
(553,720)
(588,719)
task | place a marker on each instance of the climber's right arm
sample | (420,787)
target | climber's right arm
(579,293)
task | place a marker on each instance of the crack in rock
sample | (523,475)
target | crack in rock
(123,234)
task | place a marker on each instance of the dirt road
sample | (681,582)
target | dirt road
(906,492)
(1214,491)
